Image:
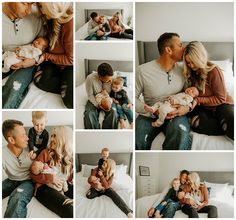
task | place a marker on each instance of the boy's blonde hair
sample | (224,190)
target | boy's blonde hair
(118,81)
(37,115)
(105,149)
(175,179)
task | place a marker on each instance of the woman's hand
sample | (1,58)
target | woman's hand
(57,181)
(25,63)
(151,212)
(32,155)
(41,59)
(100,172)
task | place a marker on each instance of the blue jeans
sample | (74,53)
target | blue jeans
(177,136)
(16,87)
(169,210)
(124,111)
(20,192)
(91,117)
(95,37)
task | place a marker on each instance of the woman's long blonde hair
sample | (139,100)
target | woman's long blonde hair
(194,181)
(198,55)
(119,22)
(108,168)
(56,14)
(62,155)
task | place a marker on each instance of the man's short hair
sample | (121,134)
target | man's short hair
(8,127)
(164,41)
(184,172)
(105,69)
(93,15)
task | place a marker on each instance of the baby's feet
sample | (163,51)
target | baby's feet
(148,109)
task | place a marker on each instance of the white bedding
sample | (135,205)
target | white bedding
(225,209)
(82,33)
(39,99)
(102,206)
(81,100)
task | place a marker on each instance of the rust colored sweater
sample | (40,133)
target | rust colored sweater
(105,183)
(62,54)
(204,195)
(115,27)
(42,179)
(215,91)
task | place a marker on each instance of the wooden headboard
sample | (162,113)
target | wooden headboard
(148,51)
(105,12)
(92,159)
(91,65)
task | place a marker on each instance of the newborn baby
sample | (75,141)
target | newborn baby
(104,100)
(38,167)
(184,98)
(96,181)
(187,195)
(31,51)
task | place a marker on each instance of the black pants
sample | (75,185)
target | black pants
(128,34)
(92,193)
(193,213)
(58,81)
(219,122)
(53,200)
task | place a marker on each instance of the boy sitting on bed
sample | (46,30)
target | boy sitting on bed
(185,98)
(123,105)
(38,167)
(32,51)
(170,197)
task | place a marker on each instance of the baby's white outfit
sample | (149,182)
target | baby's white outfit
(195,198)
(55,171)
(27,51)
(102,95)
(166,107)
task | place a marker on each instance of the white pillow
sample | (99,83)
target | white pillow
(81,95)
(87,170)
(120,170)
(217,190)
(229,191)
(128,75)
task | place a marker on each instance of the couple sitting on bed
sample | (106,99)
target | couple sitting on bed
(210,109)
(101,179)
(100,29)
(106,93)
(186,193)
(43,39)
(51,171)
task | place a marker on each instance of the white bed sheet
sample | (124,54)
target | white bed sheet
(224,209)
(102,207)
(81,100)
(82,33)
(39,99)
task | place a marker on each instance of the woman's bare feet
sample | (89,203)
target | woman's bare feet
(130,215)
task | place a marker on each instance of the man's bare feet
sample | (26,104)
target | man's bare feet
(148,109)
(130,215)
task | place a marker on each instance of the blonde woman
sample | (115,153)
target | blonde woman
(56,73)
(118,29)
(214,111)
(57,154)
(199,191)
(106,175)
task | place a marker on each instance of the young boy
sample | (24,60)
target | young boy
(122,102)
(171,196)
(105,154)
(38,135)
(163,108)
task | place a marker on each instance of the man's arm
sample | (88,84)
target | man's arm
(89,89)
(92,30)
(181,110)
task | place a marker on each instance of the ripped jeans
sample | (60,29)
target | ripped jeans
(16,87)
(177,136)
(219,122)
(20,194)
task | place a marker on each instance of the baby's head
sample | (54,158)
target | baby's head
(37,167)
(93,179)
(39,119)
(106,104)
(105,153)
(192,91)
(117,84)
(41,43)
(175,183)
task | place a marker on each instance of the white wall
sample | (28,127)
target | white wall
(100,51)
(94,141)
(81,6)
(166,166)
(54,117)
(192,21)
